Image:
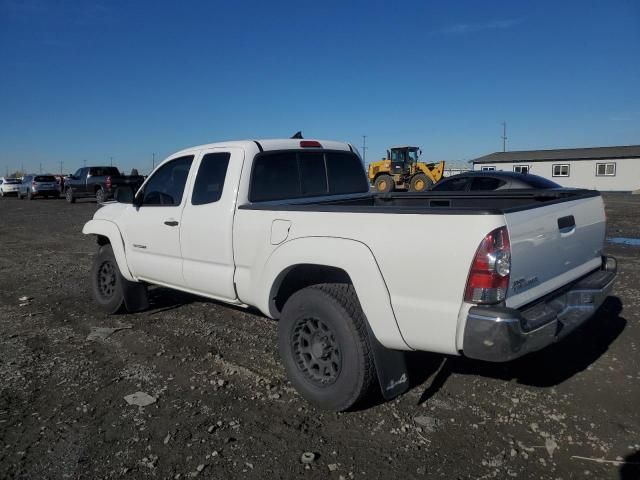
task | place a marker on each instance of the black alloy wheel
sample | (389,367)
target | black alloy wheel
(316,351)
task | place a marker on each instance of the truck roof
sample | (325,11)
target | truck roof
(272,144)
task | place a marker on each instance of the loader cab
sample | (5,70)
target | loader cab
(403,159)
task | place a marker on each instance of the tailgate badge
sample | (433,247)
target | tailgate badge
(524,284)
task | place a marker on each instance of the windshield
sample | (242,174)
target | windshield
(45,178)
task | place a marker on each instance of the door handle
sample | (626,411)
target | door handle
(171,223)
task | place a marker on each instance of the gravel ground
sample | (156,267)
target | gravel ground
(223,409)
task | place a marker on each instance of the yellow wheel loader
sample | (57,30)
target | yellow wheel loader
(401,170)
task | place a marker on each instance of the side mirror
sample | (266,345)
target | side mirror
(124,194)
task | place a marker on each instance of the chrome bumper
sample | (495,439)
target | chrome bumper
(500,334)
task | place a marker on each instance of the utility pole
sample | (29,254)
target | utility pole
(84,163)
(111,160)
(504,136)
(153,162)
(61,167)
(364,149)
(40,167)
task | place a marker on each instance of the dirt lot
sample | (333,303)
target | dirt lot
(224,409)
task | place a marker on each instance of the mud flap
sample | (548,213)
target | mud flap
(391,368)
(135,295)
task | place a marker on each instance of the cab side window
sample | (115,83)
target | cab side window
(210,179)
(452,185)
(166,186)
(486,183)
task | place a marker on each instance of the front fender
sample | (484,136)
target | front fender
(112,232)
(357,260)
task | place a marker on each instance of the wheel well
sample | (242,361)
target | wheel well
(301,276)
(96,188)
(102,240)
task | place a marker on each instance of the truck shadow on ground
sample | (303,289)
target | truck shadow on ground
(630,469)
(164,299)
(546,368)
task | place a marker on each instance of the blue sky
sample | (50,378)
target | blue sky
(89,80)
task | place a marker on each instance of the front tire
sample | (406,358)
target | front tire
(323,342)
(420,183)
(106,281)
(100,196)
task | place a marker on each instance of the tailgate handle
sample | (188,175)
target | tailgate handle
(566,224)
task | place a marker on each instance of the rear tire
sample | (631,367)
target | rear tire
(106,281)
(420,183)
(323,342)
(69,196)
(384,183)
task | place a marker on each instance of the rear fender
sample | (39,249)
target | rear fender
(110,230)
(356,260)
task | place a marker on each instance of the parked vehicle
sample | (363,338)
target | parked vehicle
(247,224)
(9,186)
(33,186)
(402,170)
(489,181)
(97,182)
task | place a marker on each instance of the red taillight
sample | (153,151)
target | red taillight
(489,274)
(107,182)
(310,144)
(33,183)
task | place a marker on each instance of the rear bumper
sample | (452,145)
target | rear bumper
(500,334)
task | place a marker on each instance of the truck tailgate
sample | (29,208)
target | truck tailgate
(552,246)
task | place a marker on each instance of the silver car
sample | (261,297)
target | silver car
(33,186)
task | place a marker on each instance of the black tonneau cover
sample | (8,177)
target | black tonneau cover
(447,203)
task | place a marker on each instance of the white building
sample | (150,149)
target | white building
(599,168)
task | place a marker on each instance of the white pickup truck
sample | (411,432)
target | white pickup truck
(355,278)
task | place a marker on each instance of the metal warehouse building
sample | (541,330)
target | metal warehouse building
(600,168)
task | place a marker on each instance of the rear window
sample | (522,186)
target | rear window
(45,178)
(297,174)
(539,182)
(12,181)
(104,171)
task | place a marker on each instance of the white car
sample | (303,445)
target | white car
(9,186)
(290,227)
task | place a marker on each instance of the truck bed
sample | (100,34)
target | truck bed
(449,203)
